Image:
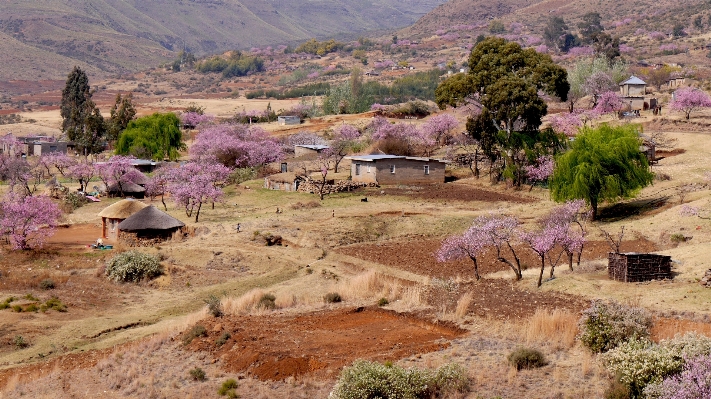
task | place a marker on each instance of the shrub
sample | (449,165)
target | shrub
(639,362)
(332,297)
(196,331)
(223,339)
(527,358)
(73,200)
(214,306)
(693,382)
(53,304)
(31,308)
(228,389)
(197,374)
(20,342)
(382,302)
(605,325)
(133,266)
(47,284)
(267,301)
(17,308)
(677,238)
(365,379)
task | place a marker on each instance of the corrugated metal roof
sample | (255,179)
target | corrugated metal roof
(633,80)
(375,157)
(313,146)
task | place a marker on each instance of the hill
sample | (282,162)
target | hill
(116,36)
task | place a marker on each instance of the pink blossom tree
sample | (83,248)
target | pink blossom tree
(57,160)
(541,171)
(193,119)
(82,172)
(693,382)
(118,170)
(346,140)
(598,83)
(196,183)
(567,123)
(542,242)
(436,130)
(158,184)
(473,243)
(17,172)
(236,146)
(28,220)
(608,102)
(689,99)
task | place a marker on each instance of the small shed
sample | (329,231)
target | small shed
(128,189)
(395,169)
(114,214)
(148,226)
(289,120)
(309,149)
(634,267)
(633,87)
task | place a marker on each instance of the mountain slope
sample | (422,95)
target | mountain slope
(120,35)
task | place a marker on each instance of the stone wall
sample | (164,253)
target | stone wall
(633,267)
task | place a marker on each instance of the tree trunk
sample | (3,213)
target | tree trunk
(476,267)
(571,105)
(197,215)
(580,254)
(162,199)
(543,265)
(570,261)
(518,261)
(511,265)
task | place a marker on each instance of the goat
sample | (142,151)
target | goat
(364,199)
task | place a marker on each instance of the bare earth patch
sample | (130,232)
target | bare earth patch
(280,346)
(456,192)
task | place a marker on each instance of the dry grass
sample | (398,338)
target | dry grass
(463,305)
(373,285)
(557,328)
(244,304)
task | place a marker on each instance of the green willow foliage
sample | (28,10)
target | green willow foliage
(604,164)
(156,136)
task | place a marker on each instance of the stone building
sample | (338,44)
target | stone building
(394,169)
(114,214)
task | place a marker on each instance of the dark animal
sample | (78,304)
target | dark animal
(364,199)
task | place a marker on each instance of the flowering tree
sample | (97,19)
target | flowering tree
(465,150)
(571,217)
(196,183)
(236,146)
(689,99)
(193,119)
(61,162)
(567,123)
(693,382)
(17,172)
(435,131)
(118,170)
(542,242)
(83,173)
(598,83)
(608,102)
(157,185)
(345,141)
(28,220)
(473,243)
(541,171)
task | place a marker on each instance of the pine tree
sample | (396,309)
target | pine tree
(122,113)
(81,119)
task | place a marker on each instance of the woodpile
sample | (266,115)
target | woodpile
(308,185)
(634,267)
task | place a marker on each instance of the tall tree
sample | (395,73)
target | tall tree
(81,119)
(556,34)
(122,112)
(590,26)
(505,80)
(690,99)
(604,164)
(156,136)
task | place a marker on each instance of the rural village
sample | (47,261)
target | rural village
(484,208)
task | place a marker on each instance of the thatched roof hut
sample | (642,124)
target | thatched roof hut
(129,189)
(140,179)
(151,223)
(114,214)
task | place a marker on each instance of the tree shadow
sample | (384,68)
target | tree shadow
(638,207)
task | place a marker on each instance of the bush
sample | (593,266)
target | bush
(196,331)
(228,389)
(47,284)
(693,382)
(526,358)
(383,301)
(133,266)
(605,325)
(73,200)
(267,301)
(677,238)
(332,297)
(639,362)
(214,306)
(197,374)
(20,342)
(365,379)
(617,390)
(53,304)
(223,339)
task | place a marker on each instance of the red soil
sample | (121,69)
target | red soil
(418,256)
(279,346)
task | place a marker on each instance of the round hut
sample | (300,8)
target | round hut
(128,189)
(148,226)
(112,215)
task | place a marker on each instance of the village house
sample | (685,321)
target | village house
(393,169)
(114,214)
(148,226)
(288,120)
(309,149)
(633,92)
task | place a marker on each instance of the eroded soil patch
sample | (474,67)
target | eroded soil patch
(321,343)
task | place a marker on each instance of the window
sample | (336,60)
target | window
(392,169)
(284,167)
(368,170)
(357,169)
(427,169)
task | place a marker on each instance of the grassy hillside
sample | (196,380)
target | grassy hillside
(115,35)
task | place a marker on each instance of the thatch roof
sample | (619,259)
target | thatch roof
(150,218)
(122,209)
(140,179)
(126,187)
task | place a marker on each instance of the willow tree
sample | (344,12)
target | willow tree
(603,164)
